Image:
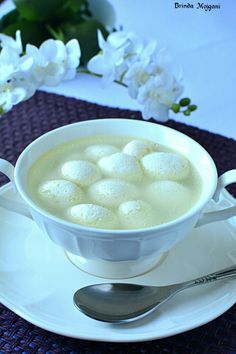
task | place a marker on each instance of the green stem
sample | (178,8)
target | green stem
(122,76)
(1,110)
(86,71)
(56,34)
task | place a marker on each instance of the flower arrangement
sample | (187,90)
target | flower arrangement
(140,66)
(144,69)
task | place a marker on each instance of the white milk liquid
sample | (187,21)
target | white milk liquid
(142,204)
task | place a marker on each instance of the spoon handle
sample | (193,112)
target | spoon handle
(222,274)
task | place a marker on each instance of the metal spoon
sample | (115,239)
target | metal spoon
(121,302)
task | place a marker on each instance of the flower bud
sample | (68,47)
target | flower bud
(184,102)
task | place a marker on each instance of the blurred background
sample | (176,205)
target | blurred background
(202,42)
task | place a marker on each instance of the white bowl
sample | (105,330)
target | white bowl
(117,253)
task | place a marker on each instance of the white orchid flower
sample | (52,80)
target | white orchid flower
(54,61)
(148,49)
(10,57)
(142,67)
(136,76)
(14,71)
(106,64)
(108,60)
(10,96)
(73,53)
(15,44)
(139,65)
(22,74)
(11,60)
(118,39)
(155,110)
(147,63)
(112,61)
(157,95)
(6,71)
(73,58)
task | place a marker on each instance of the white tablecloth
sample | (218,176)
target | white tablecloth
(202,42)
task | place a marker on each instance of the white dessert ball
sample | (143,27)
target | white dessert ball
(138,148)
(81,172)
(170,195)
(93,215)
(121,165)
(112,192)
(136,214)
(60,193)
(98,151)
(166,165)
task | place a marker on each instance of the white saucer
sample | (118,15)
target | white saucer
(37,281)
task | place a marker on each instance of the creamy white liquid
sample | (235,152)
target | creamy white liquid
(146,202)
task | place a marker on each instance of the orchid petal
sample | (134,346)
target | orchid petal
(26,63)
(34,52)
(117,39)
(53,50)
(103,12)
(72,62)
(15,44)
(97,65)
(18,95)
(73,47)
(101,40)
(9,55)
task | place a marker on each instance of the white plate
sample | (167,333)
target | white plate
(37,281)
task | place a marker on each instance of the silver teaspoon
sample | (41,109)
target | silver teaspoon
(121,302)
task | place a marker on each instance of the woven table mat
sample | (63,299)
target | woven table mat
(44,112)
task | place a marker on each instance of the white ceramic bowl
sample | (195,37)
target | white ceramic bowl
(118,253)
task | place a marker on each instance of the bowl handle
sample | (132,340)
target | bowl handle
(223,181)
(18,207)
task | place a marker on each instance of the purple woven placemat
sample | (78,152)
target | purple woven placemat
(45,112)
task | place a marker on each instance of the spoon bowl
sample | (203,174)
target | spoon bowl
(122,302)
(119,302)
